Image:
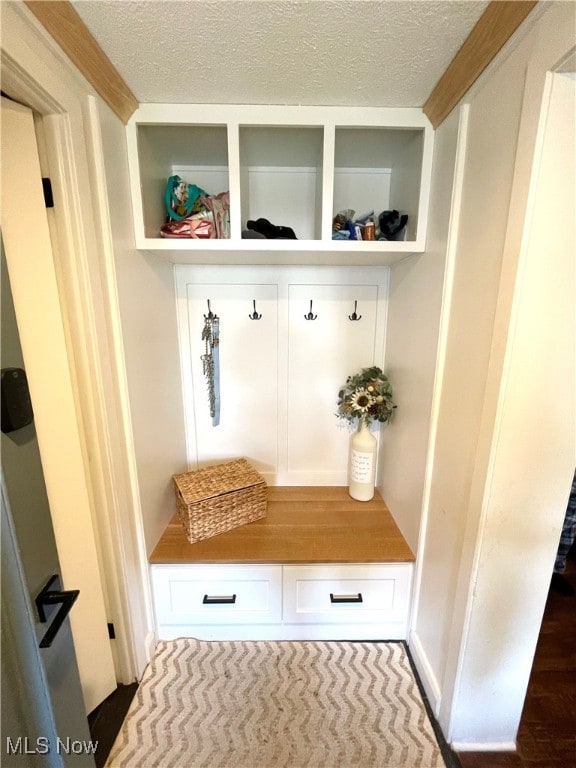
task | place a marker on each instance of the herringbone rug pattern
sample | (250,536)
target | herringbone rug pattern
(277,704)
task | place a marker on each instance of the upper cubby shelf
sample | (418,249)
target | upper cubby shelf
(296,167)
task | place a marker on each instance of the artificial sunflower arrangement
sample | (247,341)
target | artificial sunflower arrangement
(367,396)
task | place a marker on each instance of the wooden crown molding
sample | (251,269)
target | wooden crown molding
(496,25)
(62,22)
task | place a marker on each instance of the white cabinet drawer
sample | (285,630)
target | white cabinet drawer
(346,593)
(193,594)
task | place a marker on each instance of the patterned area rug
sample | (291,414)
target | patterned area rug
(273,704)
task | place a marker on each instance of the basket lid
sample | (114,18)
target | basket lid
(217,480)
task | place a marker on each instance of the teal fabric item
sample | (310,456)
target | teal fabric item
(171,200)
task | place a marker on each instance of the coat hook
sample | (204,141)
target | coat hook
(354,316)
(210,315)
(310,315)
(254,315)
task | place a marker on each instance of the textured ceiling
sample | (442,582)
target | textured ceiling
(326,52)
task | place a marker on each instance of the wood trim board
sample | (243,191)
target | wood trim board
(63,23)
(494,28)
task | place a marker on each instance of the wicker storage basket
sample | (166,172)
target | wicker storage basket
(216,499)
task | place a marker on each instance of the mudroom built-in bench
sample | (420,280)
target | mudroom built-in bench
(319,566)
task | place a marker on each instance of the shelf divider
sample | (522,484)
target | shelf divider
(233,128)
(328,180)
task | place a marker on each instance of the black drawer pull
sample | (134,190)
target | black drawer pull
(357,598)
(219,600)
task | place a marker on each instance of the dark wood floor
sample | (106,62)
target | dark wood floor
(105,721)
(547,735)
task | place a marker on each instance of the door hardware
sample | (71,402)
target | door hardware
(48,596)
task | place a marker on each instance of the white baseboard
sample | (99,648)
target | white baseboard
(425,672)
(150,643)
(296,632)
(490,746)
(433,692)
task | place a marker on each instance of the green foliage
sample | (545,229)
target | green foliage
(367,395)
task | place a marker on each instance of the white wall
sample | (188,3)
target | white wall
(495,466)
(490,151)
(533,450)
(147,301)
(414,308)
(280,375)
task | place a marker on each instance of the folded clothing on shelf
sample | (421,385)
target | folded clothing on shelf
(200,226)
(271,231)
(194,213)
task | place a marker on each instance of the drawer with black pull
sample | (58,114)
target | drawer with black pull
(206,594)
(367,593)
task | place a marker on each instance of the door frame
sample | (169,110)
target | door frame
(37,74)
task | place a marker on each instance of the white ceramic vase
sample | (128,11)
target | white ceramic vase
(362,463)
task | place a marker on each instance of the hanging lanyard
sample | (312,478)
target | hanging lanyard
(215,410)
(211,362)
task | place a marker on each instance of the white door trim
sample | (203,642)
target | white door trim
(46,354)
(84,263)
(125,542)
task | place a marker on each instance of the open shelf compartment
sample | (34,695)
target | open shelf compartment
(281,177)
(379,169)
(196,153)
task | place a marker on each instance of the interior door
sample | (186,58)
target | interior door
(38,312)
(43,719)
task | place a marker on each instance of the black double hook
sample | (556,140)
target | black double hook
(254,315)
(354,316)
(310,315)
